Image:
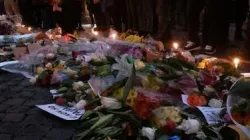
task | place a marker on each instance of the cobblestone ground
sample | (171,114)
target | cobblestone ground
(21,120)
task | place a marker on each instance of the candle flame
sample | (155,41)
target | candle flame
(236,62)
(29,28)
(113,36)
(175,45)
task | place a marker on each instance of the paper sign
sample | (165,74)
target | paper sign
(184,99)
(66,113)
(20,52)
(34,47)
(211,114)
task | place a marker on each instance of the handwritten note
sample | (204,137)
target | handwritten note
(211,114)
(66,113)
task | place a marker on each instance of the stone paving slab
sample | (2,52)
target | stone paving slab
(21,120)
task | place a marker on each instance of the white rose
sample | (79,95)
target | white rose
(215,103)
(81,104)
(190,126)
(148,132)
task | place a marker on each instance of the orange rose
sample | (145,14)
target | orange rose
(196,100)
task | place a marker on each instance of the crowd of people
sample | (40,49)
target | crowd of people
(155,17)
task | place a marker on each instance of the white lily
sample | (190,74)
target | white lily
(122,66)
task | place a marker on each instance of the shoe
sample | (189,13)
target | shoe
(209,50)
(191,46)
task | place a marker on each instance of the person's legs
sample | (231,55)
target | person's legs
(216,21)
(7,6)
(163,31)
(91,13)
(2,11)
(15,8)
(193,24)
(241,14)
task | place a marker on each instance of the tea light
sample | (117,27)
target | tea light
(95,33)
(113,36)
(236,62)
(175,45)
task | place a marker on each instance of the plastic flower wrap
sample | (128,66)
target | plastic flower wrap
(238,104)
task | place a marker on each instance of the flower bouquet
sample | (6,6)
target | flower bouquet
(238,105)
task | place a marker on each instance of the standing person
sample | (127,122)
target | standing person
(241,15)
(215,24)
(11,7)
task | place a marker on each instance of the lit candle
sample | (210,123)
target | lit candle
(113,36)
(175,45)
(29,28)
(95,33)
(236,62)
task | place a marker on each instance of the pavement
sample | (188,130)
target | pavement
(21,120)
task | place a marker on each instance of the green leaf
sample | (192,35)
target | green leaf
(129,85)
(87,114)
(62,89)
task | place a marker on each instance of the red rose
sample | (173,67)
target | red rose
(60,101)
(169,127)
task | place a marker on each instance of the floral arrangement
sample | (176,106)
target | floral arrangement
(129,98)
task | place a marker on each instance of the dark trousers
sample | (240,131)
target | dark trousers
(241,8)
(37,15)
(215,21)
(79,12)
(27,15)
(162,20)
(90,7)
(100,17)
(2,8)
(118,14)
